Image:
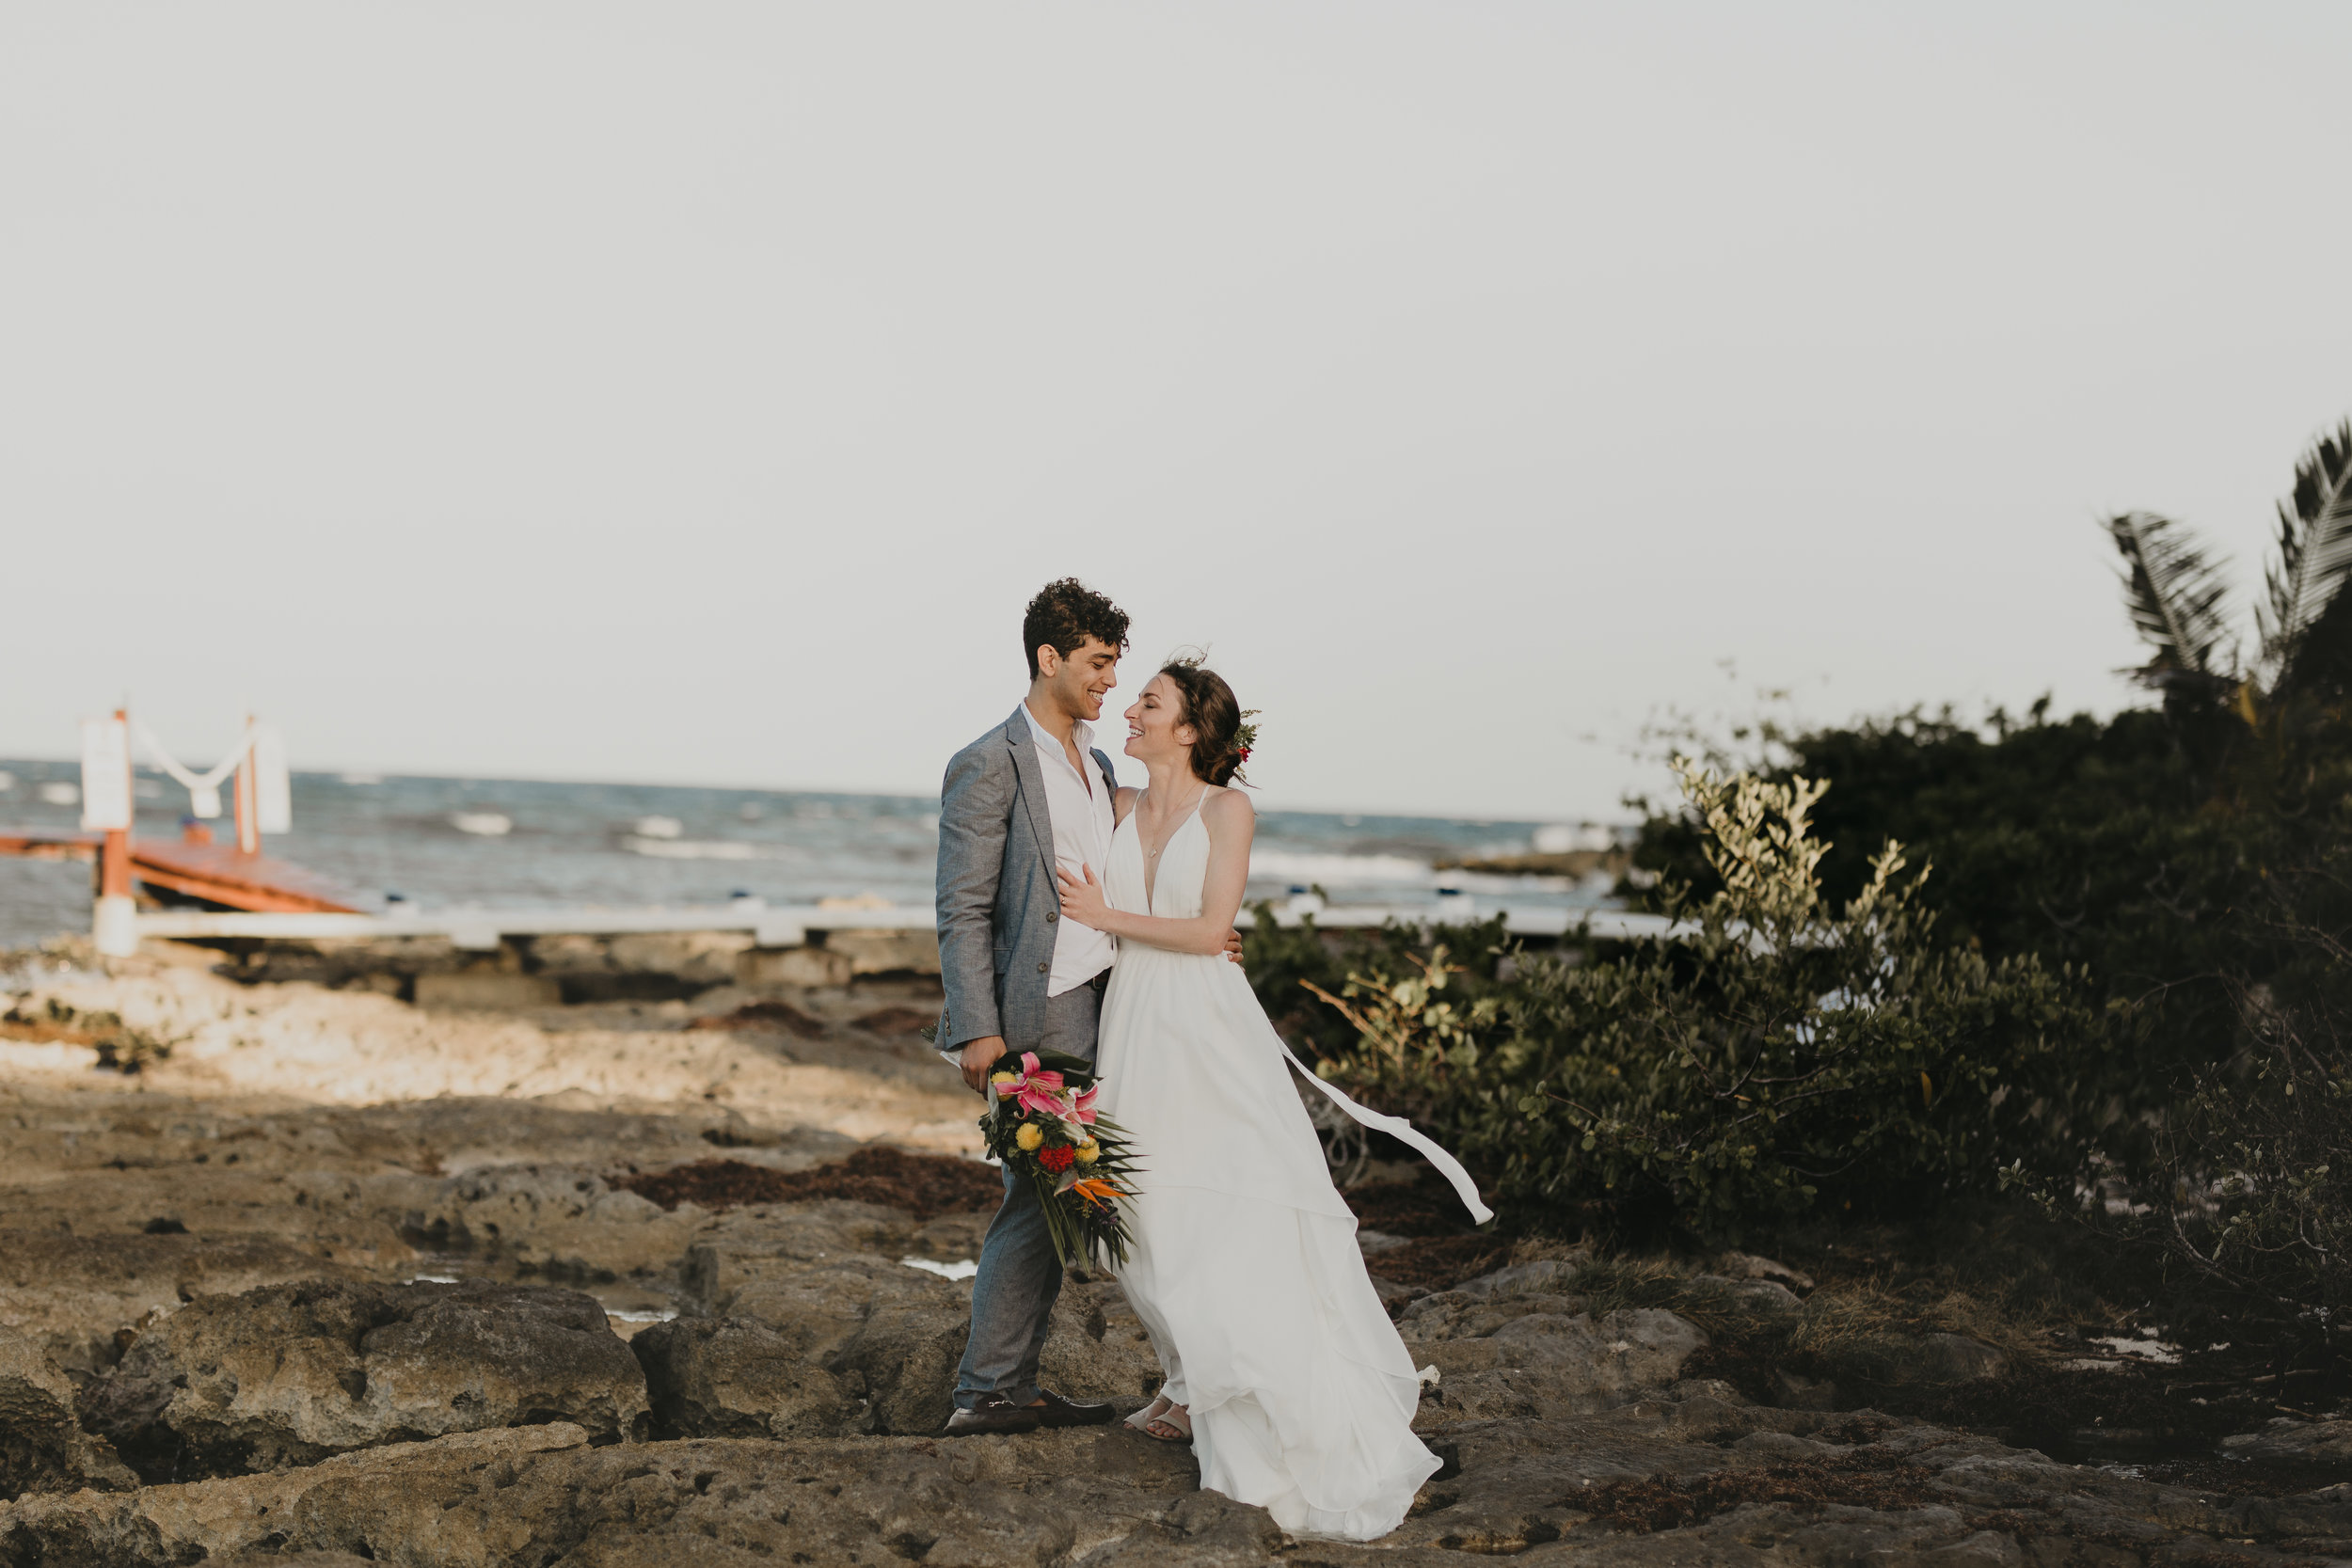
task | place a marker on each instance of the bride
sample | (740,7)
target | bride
(1280,1364)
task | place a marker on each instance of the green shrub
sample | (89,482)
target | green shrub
(1777,1056)
(2118,845)
(2243,1203)
(1417,1029)
(1293,968)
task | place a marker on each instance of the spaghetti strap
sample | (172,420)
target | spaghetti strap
(1135,814)
(1199,800)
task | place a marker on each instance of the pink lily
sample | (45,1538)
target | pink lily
(1082,1109)
(1036,1090)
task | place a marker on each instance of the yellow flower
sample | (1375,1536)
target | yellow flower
(1029,1137)
(1089,1152)
(1004,1079)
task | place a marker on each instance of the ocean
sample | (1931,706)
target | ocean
(436,843)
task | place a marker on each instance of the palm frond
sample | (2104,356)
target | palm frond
(2174,590)
(2315,558)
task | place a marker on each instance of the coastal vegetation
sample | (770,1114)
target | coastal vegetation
(2088,974)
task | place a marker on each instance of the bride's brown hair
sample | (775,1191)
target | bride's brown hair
(1216,717)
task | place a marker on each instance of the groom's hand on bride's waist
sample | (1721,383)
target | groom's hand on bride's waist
(978,1056)
(981,1054)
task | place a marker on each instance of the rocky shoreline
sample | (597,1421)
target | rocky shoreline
(335,1279)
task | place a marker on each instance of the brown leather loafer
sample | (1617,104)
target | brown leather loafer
(1060,1412)
(995,1413)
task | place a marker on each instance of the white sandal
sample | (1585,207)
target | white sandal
(1163,1412)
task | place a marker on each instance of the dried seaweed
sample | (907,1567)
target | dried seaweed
(925,1186)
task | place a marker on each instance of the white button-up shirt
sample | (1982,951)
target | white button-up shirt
(1080,806)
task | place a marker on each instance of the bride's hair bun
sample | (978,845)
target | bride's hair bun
(1221,735)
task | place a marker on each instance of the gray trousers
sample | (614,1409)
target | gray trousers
(1013,1294)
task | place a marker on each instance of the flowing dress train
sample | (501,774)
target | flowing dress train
(1244,1267)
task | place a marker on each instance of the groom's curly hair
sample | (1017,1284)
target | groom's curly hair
(1064,615)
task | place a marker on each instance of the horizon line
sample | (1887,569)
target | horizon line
(339,774)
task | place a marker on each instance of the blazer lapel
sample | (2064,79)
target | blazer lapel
(1025,768)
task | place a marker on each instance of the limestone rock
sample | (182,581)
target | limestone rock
(908,1364)
(73,1292)
(1795,1392)
(802,1276)
(1547,1276)
(2285,1437)
(1957,1358)
(1784,1445)
(557,1221)
(806,1336)
(544,1494)
(748,1247)
(1111,1498)
(385,1505)
(821,1305)
(823,1278)
(1096,1347)
(696,958)
(1548,1365)
(1517,1343)
(768,968)
(886,951)
(487,988)
(1456,1315)
(733,1377)
(1747,1265)
(42,1447)
(1761,1298)
(1204,1530)
(291,1374)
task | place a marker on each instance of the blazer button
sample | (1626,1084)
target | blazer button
(1045,969)
(1052,916)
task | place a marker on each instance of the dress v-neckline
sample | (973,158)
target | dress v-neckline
(1152,857)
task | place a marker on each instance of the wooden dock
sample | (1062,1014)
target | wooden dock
(216,872)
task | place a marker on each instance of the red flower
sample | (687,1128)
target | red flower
(1244,753)
(1057,1159)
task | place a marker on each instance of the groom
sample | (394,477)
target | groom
(1030,795)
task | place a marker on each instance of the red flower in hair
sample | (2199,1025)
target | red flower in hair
(1245,735)
(1057,1159)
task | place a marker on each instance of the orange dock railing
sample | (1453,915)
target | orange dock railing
(216,873)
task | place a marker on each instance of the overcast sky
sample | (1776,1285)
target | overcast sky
(696,392)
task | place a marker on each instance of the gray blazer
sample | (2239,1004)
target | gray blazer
(999,905)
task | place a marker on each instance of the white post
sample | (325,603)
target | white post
(113,926)
(249,818)
(106,807)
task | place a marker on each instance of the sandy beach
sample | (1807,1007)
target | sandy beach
(305,1045)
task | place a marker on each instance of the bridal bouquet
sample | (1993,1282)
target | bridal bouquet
(1040,1122)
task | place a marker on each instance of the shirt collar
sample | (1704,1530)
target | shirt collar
(1080,730)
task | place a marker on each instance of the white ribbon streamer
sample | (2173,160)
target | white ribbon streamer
(1404,1133)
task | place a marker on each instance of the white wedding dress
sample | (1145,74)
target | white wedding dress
(1244,1267)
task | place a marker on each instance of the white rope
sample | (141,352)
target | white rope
(203,789)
